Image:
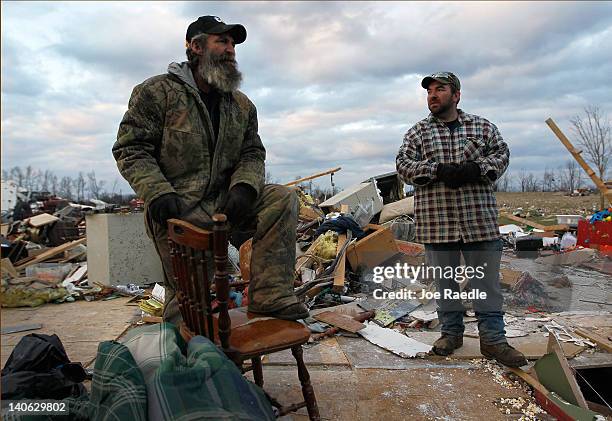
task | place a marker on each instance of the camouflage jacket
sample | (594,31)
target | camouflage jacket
(166,142)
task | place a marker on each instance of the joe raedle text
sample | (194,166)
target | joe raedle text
(447,294)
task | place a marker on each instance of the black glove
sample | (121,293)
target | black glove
(469,172)
(239,201)
(447,173)
(165,207)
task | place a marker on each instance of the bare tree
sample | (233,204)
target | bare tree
(522,178)
(570,176)
(532,183)
(45,184)
(16,174)
(54,184)
(594,136)
(65,187)
(527,181)
(114,188)
(79,186)
(96,188)
(548,180)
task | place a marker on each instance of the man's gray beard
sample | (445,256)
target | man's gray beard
(219,73)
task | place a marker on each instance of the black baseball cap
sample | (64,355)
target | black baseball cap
(214,25)
(446,78)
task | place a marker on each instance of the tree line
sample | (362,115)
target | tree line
(566,178)
(80,188)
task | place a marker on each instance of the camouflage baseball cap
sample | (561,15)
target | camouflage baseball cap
(446,78)
(214,25)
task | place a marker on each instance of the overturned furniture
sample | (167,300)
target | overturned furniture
(240,334)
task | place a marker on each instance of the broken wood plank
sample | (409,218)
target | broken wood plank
(529,379)
(42,220)
(558,227)
(360,317)
(340,271)
(602,342)
(308,214)
(47,254)
(310,177)
(339,320)
(20,328)
(152,319)
(73,257)
(603,188)
(306,259)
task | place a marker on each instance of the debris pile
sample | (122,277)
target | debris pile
(44,251)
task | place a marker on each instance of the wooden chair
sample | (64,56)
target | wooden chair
(240,334)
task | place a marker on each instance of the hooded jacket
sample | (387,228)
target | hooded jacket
(166,142)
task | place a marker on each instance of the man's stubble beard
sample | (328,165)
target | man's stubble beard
(221,71)
(443,108)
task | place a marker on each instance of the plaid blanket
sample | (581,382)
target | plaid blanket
(154,375)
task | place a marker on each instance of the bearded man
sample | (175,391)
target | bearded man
(453,159)
(188,145)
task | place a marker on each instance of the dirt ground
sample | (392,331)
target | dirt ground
(549,203)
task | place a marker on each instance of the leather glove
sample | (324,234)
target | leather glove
(469,172)
(166,207)
(239,201)
(447,173)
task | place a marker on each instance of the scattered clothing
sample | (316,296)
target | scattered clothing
(341,225)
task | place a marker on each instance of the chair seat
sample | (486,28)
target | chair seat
(255,334)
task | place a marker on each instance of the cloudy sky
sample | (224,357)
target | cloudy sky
(335,83)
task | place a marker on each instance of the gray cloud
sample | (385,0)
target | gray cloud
(335,83)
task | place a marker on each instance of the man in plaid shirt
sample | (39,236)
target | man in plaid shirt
(453,159)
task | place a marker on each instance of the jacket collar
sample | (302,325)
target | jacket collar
(183,72)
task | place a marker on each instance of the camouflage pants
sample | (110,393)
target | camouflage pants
(273,220)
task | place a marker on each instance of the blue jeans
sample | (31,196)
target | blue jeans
(484,257)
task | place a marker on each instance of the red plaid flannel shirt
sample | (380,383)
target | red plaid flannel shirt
(443,214)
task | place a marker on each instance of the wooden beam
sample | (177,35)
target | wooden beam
(576,154)
(306,259)
(601,341)
(340,271)
(310,177)
(47,254)
(548,228)
(530,380)
(340,320)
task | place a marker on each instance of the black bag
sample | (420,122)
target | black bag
(39,368)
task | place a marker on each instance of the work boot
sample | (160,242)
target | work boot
(446,344)
(293,312)
(504,354)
